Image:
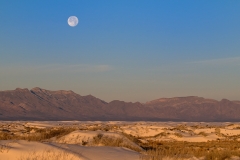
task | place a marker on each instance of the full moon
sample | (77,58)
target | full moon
(72,21)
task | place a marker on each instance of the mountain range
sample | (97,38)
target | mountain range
(42,104)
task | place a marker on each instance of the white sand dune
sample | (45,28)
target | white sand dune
(21,150)
(105,153)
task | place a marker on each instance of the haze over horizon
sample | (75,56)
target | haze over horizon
(126,50)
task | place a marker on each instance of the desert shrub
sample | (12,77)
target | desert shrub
(113,141)
(178,135)
(84,143)
(5,136)
(28,129)
(181,127)
(4,147)
(132,138)
(203,134)
(97,139)
(162,134)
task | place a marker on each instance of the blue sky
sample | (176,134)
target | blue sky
(131,50)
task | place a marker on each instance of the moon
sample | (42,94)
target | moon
(72,21)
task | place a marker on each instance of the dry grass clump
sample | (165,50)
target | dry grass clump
(43,134)
(48,155)
(113,141)
(203,134)
(181,128)
(162,134)
(213,150)
(4,147)
(178,135)
(6,136)
(132,138)
(38,134)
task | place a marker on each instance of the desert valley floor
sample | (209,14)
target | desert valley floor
(118,140)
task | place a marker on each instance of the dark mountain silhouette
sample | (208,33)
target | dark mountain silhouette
(41,104)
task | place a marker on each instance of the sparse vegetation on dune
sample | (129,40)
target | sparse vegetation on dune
(48,155)
(215,150)
(101,139)
(203,134)
(36,134)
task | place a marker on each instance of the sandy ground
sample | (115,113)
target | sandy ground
(20,150)
(78,144)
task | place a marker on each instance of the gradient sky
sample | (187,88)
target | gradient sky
(131,50)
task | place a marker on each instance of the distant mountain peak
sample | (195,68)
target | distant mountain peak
(21,89)
(42,104)
(187,99)
(37,89)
